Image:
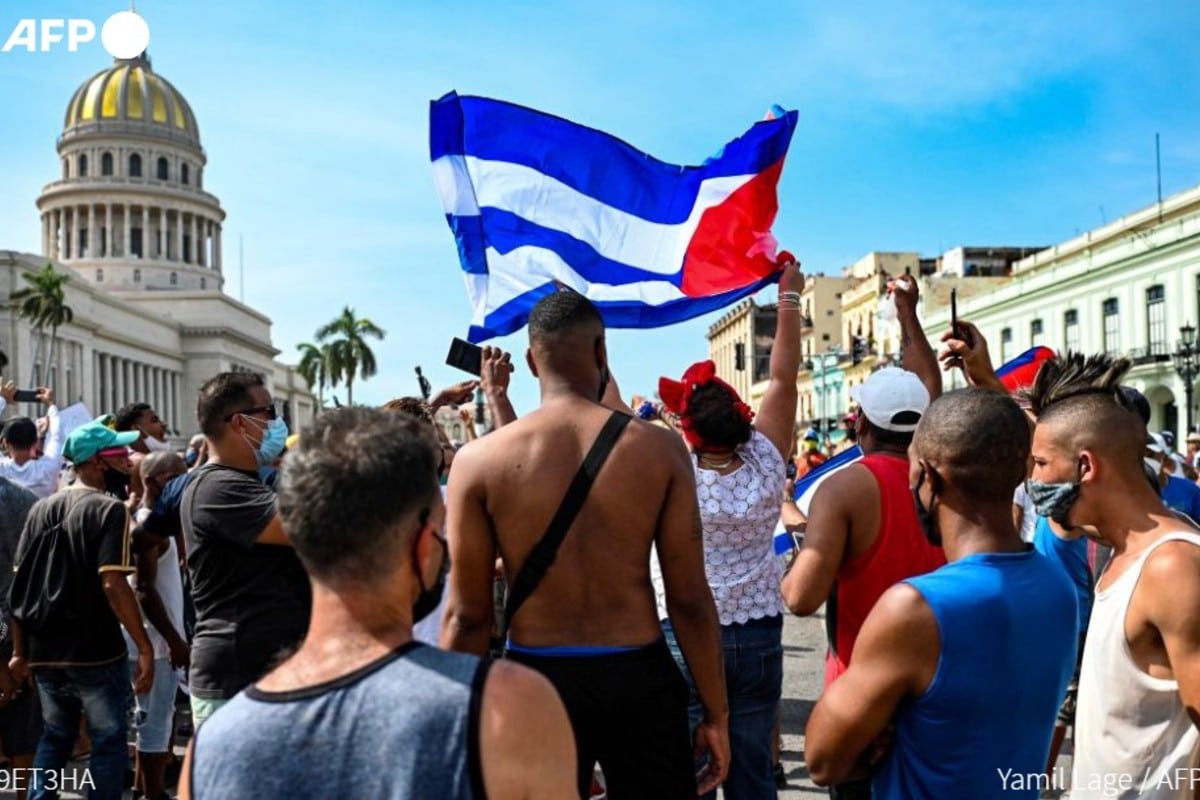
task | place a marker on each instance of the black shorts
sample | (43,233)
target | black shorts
(629,713)
(21,724)
(20,720)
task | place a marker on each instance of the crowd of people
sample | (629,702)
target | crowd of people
(363,610)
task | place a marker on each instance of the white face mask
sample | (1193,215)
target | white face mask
(156,445)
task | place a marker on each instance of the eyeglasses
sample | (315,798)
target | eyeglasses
(271,411)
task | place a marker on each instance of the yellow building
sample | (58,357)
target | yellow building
(739,343)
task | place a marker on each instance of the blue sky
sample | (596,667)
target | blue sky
(923,126)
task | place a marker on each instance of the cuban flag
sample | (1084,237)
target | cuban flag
(1016,374)
(536,202)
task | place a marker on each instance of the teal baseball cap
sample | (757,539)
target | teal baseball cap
(88,440)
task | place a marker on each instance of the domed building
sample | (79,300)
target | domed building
(130,218)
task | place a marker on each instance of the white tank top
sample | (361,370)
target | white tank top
(168,580)
(1133,735)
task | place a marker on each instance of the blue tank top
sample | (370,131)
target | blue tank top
(1007,628)
(405,727)
(1070,556)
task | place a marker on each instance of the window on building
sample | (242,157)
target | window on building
(83,243)
(1071,331)
(1156,320)
(99,276)
(103,242)
(137,276)
(183,173)
(187,248)
(163,169)
(1036,336)
(1006,344)
(106,164)
(82,166)
(1112,326)
(135,243)
(135,166)
(174,278)
(203,283)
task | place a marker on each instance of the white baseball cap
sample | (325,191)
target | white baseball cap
(893,399)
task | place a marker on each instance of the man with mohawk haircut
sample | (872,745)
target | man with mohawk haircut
(1139,694)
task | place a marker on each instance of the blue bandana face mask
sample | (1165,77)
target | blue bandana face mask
(1053,500)
(273,441)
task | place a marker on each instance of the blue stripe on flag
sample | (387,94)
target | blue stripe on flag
(592,162)
(513,315)
(840,460)
(507,231)
(472,245)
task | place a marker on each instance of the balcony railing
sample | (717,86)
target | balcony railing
(1156,353)
(106,181)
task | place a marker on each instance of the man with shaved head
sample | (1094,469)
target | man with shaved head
(948,659)
(590,623)
(1139,686)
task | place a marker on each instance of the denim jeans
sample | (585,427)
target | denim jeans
(102,694)
(754,683)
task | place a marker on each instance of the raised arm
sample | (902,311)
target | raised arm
(919,357)
(967,349)
(895,656)
(467,624)
(495,374)
(777,414)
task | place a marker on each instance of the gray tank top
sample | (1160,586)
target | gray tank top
(405,727)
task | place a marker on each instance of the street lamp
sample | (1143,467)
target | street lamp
(822,366)
(1186,366)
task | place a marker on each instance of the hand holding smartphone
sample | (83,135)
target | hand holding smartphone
(26,396)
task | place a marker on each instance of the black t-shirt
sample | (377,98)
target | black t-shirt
(72,538)
(252,600)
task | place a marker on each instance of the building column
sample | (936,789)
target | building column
(114,375)
(45,234)
(108,231)
(192,248)
(93,239)
(73,246)
(205,230)
(173,400)
(127,242)
(217,258)
(179,236)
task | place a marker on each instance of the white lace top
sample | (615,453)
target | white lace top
(739,512)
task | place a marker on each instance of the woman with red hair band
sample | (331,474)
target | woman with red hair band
(740,473)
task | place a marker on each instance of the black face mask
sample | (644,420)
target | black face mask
(430,598)
(926,516)
(116,483)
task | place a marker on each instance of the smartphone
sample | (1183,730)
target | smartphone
(959,333)
(465,356)
(790,471)
(26,396)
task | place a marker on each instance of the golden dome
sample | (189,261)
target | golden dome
(129,91)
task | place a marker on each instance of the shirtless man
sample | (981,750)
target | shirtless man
(591,625)
(1139,684)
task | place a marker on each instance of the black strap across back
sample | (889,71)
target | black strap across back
(545,551)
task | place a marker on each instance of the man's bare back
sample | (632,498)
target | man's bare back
(509,485)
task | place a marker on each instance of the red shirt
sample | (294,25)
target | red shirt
(900,551)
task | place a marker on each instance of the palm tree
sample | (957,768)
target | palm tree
(317,367)
(43,303)
(349,354)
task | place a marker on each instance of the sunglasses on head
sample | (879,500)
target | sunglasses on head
(271,411)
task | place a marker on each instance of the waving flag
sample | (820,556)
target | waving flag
(1022,370)
(536,201)
(1014,374)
